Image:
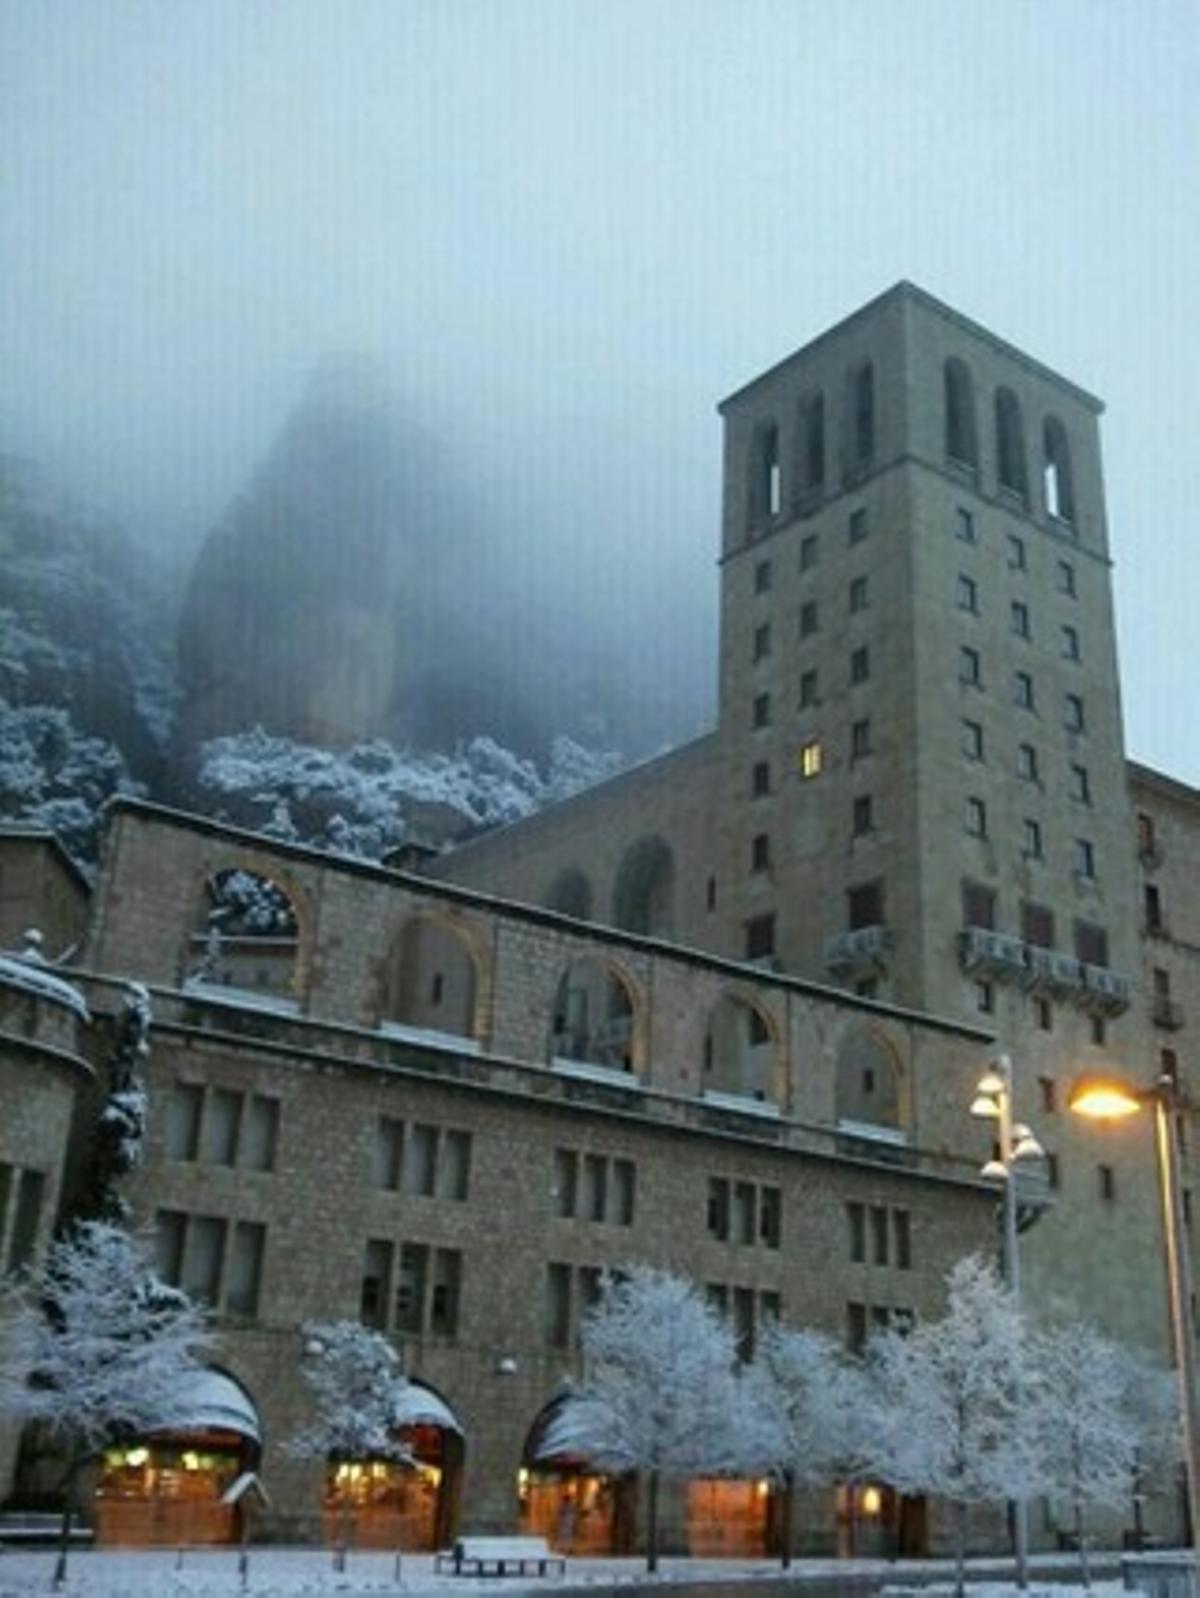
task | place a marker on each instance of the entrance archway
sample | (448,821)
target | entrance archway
(170,1487)
(577,1509)
(731,1518)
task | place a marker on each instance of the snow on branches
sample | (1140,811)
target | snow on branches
(358,1388)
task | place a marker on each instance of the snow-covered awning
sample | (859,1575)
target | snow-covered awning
(20,972)
(420,1407)
(212,1399)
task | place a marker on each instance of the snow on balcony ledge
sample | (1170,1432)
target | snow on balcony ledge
(591,1071)
(240,998)
(742,1103)
(31,977)
(871,1132)
(431,1037)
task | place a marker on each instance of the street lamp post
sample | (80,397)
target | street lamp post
(994,1100)
(1109,1098)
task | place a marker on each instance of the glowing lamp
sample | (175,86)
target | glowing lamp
(984,1107)
(1103,1098)
(871,1500)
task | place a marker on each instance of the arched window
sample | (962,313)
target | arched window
(246,944)
(810,445)
(867,1096)
(578,1508)
(1057,478)
(570,894)
(432,982)
(1010,444)
(593,1017)
(962,444)
(766,481)
(644,891)
(739,1053)
(860,431)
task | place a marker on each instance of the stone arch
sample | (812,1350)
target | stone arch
(742,1053)
(1011,470)
(644,889)
(570,893)
(1057,477)
(433,978)
(562,1497)
(962,441)
(869,1086)
(595,1015)
(250,935)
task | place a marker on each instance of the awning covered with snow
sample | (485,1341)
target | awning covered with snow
(212,1399)
(421,1407)
(18,971)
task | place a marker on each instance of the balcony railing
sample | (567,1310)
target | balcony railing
(864,949)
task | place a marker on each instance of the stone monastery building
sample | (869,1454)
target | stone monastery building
(723,1014)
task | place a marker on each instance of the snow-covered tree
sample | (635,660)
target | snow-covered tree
(955,1401)
(358,1388)
(54,775)
(1150,1403)
(120,1127)
(658,1395)
(807,1405)
(96,1348)
(1088,1440)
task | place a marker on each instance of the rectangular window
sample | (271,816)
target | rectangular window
(975,817)
(718,1207)
(203,1257)
(860,739)
(1037,924)
(864,906)
(1044,1013)
(1070,643)
(971,740)
(1027,763)
(410,1288)
(967,591)
(1019,618)
(1091,943)
(31,1186)
(222,1117)
(1073,713)
(375,1293)
(1081,786)
(454,1167)
(389,1153)
(760,937)
(557,1308)
(1107,1182)
(1048,1089)
(902,1237)
(1066,578)
(744,1206)
(858,526)
(860,665)
(762,641)
(985,998)
(856,1231)
(1016,553)
(978,906)
(760,852)
(623,1187)
(964,525)
(808,618)
(1023,690)
(594,1188)
(170,1233)
(743,1323)
(1031,838)
(1084,858)
(761,711)
(769,1216)
(1151,910)
(879,1234)
(760,779)
(968,667)
(809,689)
(809,549)
(856,1327)
(183,1121)
(810,759)
(244,1274)
(420,1165)
(446,1289)
(862,816)
(260,1133)
(762,577)
(566,1171)
(859,595)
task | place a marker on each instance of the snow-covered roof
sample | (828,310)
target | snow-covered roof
(211,1398)
(421,1407)
(32,977)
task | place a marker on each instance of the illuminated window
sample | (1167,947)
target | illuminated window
(809,758)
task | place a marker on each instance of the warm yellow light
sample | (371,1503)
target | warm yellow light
(137,1456)
(762,1487)
(991,1082)
(985,1108)
(190,1460)
(810,758)
(871,1500)
(1103,1098)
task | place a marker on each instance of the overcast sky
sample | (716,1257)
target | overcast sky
(571,228)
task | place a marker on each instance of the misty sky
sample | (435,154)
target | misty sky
(569,229)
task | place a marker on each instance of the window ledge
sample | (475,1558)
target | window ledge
(240,998)
(872,1132)
(401,1032)
(592,1071)
(742,1103)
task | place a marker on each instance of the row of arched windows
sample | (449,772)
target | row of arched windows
(1012,469)
(769,496)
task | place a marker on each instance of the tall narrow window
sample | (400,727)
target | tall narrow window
(260,1133)
(183,1120)
(447,1286)
(566,1176)
(623,1184)
(961,442)
(1059,484)
(862,416)
(203,1257)
(410,1287)
(454,1167)
(811,453)
(765,480)
(375,1291)
(1010,444)
(857,1231)
(244,1273)
(222,1118)
(421,1161)
(557,1308)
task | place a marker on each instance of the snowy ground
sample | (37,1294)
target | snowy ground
(292,1573)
